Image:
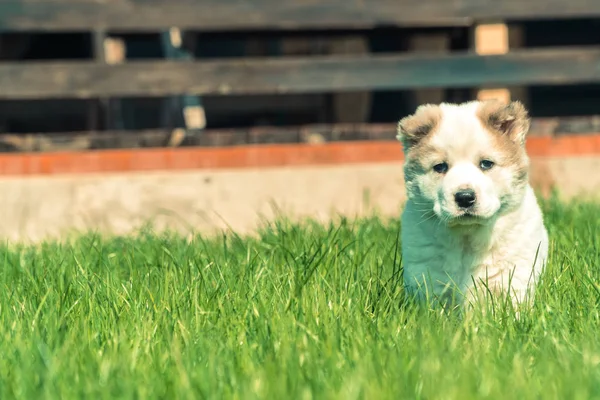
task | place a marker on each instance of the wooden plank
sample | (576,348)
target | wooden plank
(259,135)
(127,15)
(68,15)
(516,40)
(492,39)
(429,43)
(350,107)
(298,75)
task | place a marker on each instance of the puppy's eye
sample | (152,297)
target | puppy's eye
(441,168)
(486,164)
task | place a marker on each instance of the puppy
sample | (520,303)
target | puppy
(472,221)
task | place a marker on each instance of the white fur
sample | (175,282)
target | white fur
(507,241)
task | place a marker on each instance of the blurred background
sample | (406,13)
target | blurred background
(216,113)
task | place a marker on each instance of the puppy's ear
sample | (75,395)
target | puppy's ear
(511,120)
(412,129)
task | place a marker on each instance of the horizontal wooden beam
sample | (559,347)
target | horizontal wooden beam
(257,135)
(69,15)
(266,156)
(214,15)
(552,66)
(132,139)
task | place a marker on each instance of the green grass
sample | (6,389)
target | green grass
(302,311)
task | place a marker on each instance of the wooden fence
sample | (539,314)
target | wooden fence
(494,64)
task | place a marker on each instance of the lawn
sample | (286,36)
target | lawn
(299,312)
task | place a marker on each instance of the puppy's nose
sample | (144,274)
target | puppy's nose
(465,198)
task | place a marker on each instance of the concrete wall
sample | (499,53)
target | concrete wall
(36,208)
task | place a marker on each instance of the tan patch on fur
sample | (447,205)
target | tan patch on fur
(413,132)
(511,119)
(508,125)
(412,129)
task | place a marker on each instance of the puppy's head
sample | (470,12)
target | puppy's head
(466,162)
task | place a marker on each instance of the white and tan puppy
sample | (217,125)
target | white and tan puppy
(472,219)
